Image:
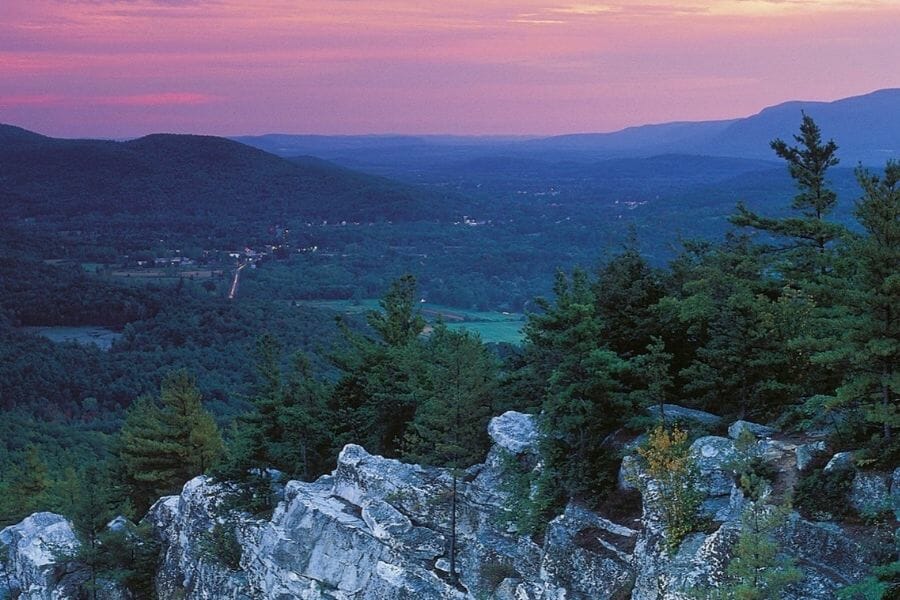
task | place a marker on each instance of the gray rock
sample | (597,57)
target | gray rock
(513,431)
(895,492)
(771,450)
(870,493)
(38,560)
(807,453)
(713,456)
(628,473)
(673,412)
(840,461)
(759,431)
(33,549)
(587,557)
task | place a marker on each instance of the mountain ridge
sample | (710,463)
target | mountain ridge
(862,124)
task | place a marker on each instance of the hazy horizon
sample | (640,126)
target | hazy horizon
(388,134)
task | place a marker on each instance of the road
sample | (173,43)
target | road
(234,282)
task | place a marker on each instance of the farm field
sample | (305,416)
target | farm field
(101,337)
(492,326)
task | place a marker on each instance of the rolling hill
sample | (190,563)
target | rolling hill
(195,176)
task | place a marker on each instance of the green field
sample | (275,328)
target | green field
(98,336)
(490,325)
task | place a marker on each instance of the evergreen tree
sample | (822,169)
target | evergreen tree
(810,234)
(653,368)
(805,255)
(585,400)
(451,420)
(376,396)
(307,448)
(95,506)
(162,446)
(626,290)
(741,325)
(397,323)
(29,488)
(867,348)
(758,570)
(259,431)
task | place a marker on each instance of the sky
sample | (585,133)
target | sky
(124,68)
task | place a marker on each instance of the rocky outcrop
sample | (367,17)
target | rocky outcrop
(674,413)
(840,461)
(35,565)
(377,528)
(380,529)
(829,555)
(870,493)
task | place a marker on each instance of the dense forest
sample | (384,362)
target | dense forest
(792,319)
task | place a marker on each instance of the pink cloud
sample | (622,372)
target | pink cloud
(9,101)
(159,99)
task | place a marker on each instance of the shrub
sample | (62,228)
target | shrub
(825,496)
(535,496)
(668,461)
(221,544)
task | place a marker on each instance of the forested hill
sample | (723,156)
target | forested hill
(193,176)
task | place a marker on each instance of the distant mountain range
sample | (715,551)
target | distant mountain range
(865,127)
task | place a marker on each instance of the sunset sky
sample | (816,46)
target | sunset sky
(118,68)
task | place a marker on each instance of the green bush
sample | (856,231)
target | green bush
(825,496)
(221,543)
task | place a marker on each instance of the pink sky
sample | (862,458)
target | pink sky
(118,68)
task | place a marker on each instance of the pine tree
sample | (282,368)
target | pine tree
(163,445)
(585,400)
(397,323)
(804,254)
(758,570)
(653,368)
(376,395)
(625,292)
(868,348)
(741,325)
(32,482)
(307,448)
(809,235)
(95,506)
(450,422)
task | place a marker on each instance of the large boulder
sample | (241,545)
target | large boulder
(870,493)
(35,550)
(674,412)
(189,566)
(736,429)
(895,492)
(714,456)
(38,561)
(587,557)
(807,454)
(514,432)
(840,461)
